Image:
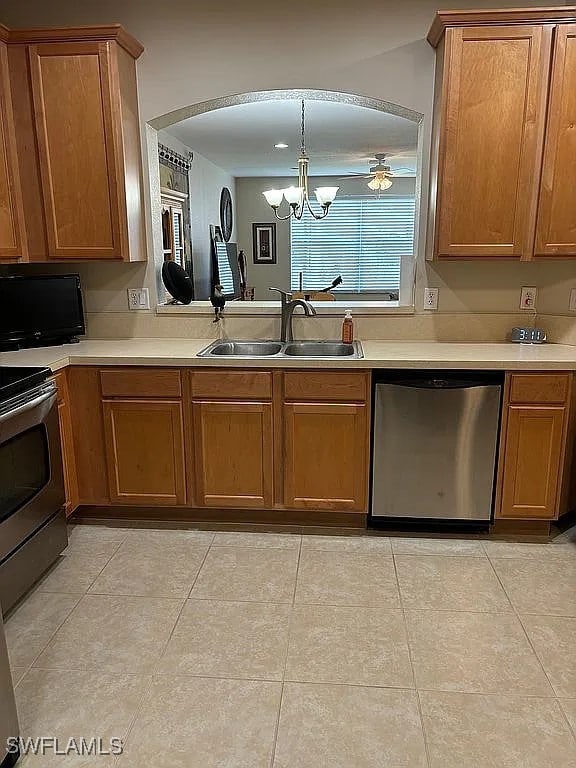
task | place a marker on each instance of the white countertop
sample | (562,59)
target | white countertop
(377,354)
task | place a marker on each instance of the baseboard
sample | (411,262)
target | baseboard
(167,516)
(521,527)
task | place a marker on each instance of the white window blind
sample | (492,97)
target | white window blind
(363,239)
(224,269)
(178,245)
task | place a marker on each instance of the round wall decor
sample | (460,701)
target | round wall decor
(226,215)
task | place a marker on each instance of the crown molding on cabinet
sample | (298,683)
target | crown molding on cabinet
(474,18)
(98,33)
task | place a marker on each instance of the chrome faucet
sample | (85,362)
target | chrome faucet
(288,306)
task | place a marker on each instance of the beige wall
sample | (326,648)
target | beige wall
(199,51)
(206,182)
(251,207)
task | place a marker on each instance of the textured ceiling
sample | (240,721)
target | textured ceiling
(340,138)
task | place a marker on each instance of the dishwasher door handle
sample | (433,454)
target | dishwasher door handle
(436,383)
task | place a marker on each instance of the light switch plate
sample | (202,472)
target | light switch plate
(431,298)
(572,305)
(138,298)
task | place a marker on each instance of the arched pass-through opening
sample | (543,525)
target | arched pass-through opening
(184,113)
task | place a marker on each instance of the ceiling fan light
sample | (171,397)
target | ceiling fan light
(385,183)
(374,184)
(294,195)
(274,197)
(326,195)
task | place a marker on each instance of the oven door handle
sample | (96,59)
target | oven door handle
(29,406)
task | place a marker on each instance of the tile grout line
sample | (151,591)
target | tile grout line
(58,628)
(106,564)
(290,619)
(294,605)
(570,727)
(155,673)
(557,698)
(417,692)
(137,710)
(533,649)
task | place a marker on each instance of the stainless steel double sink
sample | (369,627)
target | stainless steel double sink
(310,349)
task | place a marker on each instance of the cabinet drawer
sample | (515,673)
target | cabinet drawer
(140,382)
(539,388)
(325,385)
(215,384)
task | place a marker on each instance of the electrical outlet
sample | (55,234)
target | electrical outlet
(572,305)
(528,298)
(431,298)
(138,298)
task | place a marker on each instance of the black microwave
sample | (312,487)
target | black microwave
(40,310)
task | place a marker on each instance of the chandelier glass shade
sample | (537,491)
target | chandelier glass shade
(380,182)
(297,197)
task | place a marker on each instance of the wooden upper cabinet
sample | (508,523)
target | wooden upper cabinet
(504,142)
(78,112)
(556,227)
(490,139)
(77,143)
(12,244)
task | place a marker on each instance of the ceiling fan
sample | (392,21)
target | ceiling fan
(381,174)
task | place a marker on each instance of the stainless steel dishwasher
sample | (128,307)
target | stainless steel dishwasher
(435,444)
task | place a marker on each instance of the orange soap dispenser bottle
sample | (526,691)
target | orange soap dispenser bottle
(348,327)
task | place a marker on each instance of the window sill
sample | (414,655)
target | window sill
(272,308)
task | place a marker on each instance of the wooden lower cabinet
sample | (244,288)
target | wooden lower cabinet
(144,444)
(533,452)
(67,443)
(282,440)
(234,454)
(326,455)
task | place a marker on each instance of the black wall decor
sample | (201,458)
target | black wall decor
(226,214)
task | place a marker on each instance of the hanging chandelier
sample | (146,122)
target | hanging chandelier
(297,197)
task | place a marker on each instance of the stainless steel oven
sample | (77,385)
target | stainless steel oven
(32,519)
(9,729)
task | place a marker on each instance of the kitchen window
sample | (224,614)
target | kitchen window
(364,239)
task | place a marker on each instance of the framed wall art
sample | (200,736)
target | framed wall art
(264,243)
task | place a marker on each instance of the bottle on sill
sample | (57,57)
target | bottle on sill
(348,328)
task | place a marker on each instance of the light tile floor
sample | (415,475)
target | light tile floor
(254,650)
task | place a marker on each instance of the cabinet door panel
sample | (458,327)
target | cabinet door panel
(11,210)
(532,461)
(234,454)
(491,139)
(67,442)
(145,451)
(556,228)
(78,151)
(325,456)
